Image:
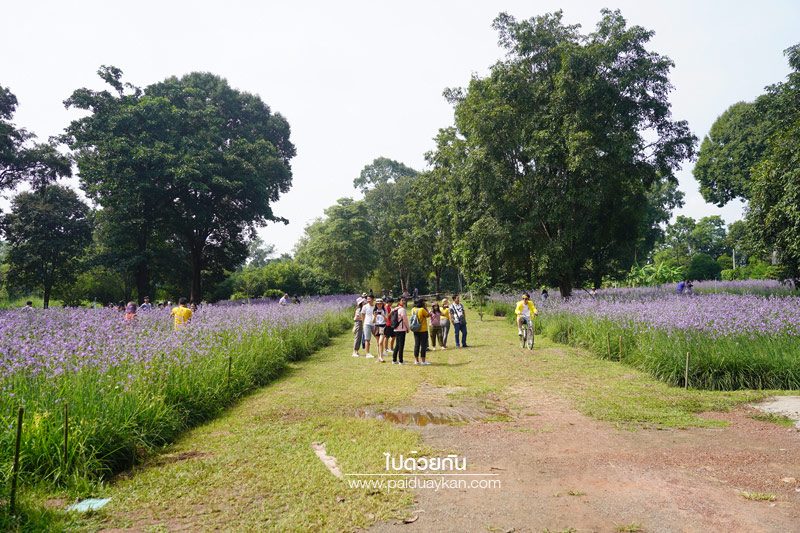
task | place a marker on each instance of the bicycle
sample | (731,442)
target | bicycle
(528,335)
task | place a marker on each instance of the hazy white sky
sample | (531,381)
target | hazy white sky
(362,79)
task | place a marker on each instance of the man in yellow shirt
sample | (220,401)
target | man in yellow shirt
(525,312)
(421,332)
(181,313)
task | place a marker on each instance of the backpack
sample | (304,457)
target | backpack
(413,323)
(394,319)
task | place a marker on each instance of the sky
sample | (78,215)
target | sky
(362,79)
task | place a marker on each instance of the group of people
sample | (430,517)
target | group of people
(388,322)
(181,314)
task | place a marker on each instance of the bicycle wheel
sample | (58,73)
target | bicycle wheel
(530,337)
(523,339)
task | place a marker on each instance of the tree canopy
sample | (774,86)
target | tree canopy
(190,157)
(560,149)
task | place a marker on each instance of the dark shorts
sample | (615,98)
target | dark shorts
(378,330)
(388,331)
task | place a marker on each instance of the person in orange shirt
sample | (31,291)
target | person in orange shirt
(419,325)
(181,313)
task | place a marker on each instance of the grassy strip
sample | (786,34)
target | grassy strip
(116,421)
(727,363)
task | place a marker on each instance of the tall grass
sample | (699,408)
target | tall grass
(119,415)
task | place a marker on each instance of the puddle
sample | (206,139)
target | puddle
(420,417)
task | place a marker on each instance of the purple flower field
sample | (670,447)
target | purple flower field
(716,314)
(735,341)
(52,342)
(131,386)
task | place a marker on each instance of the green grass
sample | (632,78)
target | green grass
(772,418)
(759,496)
(253,466)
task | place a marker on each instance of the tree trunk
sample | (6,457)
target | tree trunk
(142,280)
(565,287)
(196,293)
(46,297)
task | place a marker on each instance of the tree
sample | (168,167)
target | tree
(391,210)
(47,231)
(188,156)
(703,266)
(736,142)
(20,160)
(259,252)
(562,143)
(774,213)
(340,243)
(708,236)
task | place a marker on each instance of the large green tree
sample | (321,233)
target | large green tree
(189,157)
(735,144)
(774,212)
(562,145)
(340,243)
(47,231)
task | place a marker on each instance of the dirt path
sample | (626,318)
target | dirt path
(563,471)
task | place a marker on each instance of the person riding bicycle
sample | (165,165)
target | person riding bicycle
(525,312)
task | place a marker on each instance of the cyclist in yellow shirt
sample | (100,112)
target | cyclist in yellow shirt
(525,312)
(181,313)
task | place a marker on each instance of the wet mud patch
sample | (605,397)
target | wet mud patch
(440,406)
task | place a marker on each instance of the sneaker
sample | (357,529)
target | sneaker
(369,356)
(400,363)
(416,362)
(519,332)
(433,349)
(381,360)
(355,354)
(394,362)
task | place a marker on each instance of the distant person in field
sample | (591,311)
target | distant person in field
(419,325)
(545,294)
(146,305)
(399,321)
(681,287)
(445,321)
(284,300)
(182,314)
(358,328)
(130,311)
(435,328)
(28,305)
(459,319)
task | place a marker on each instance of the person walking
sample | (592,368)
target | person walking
(418,323)
(389,329)
(435,326)
(399,321)
(358,328)
(459,319)
(445,321)
(367,318)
